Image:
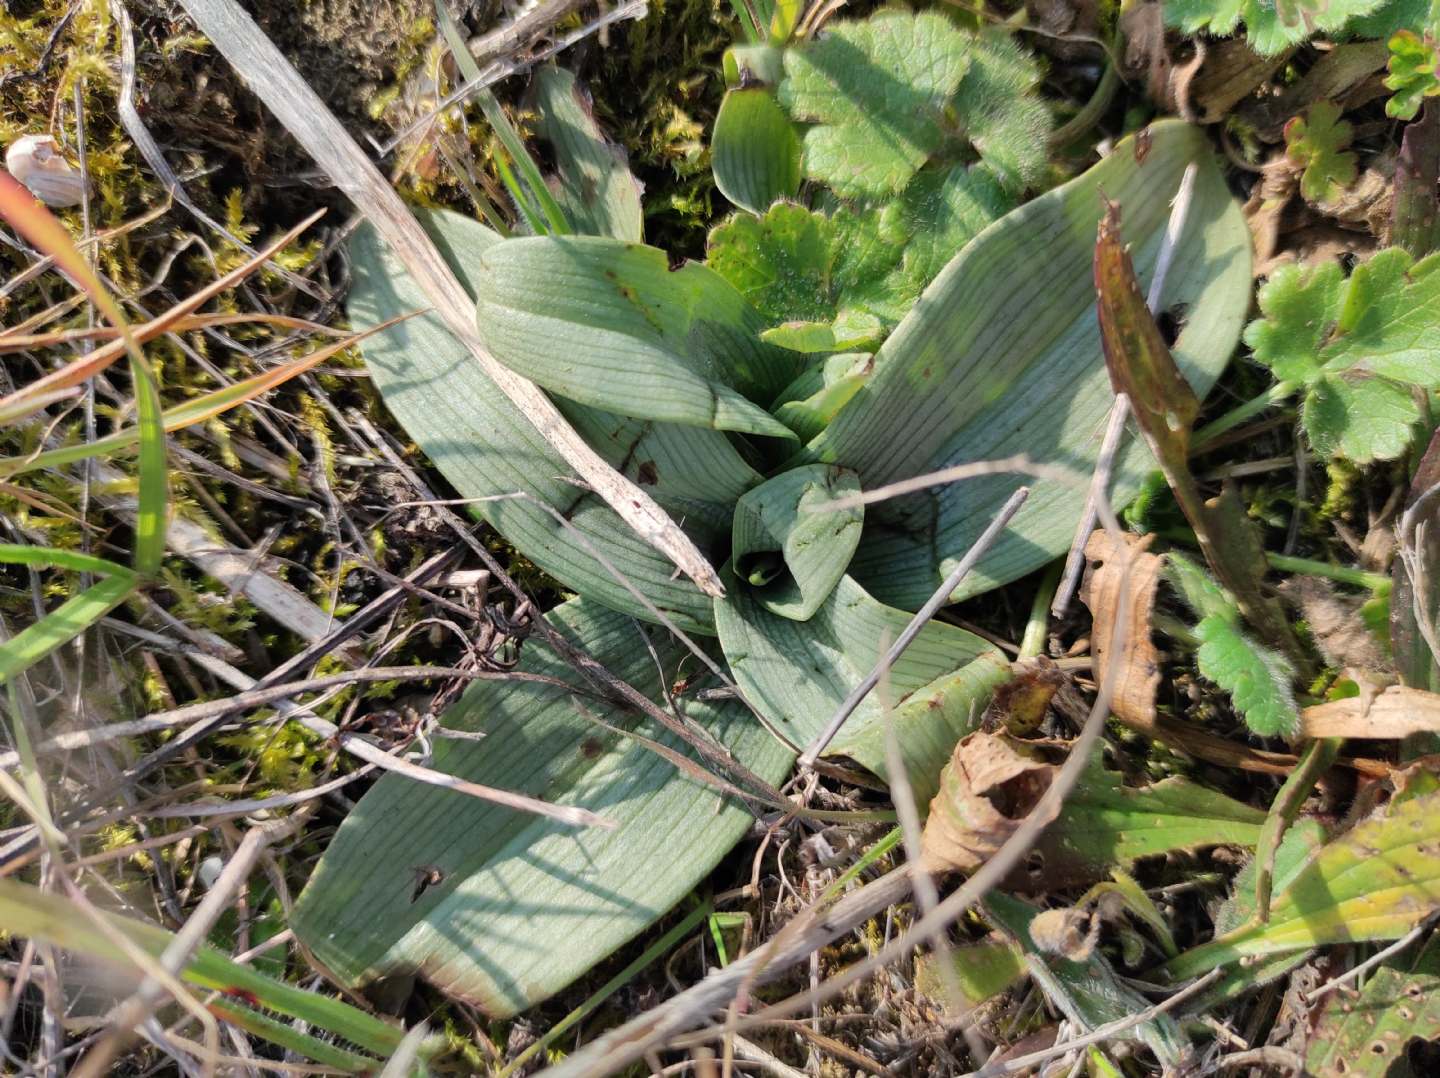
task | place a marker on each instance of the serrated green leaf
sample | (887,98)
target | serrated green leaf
(1201,593)
(876,92)
(788,552)
(1375,882)
(1300,305)
(780,262)
(1414,73)
(1365,1035)
(1257,679)
(1105,823)
(486,448)
(1270,27)
(597,192)
(1359,417)
(610,325)
(754,150)
(797,673)
(944,209)
(1002,356)
(1350,343)
(523,905)
(1391,16)
(1000,111)
(1317,142)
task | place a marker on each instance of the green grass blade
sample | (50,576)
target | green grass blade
(154,476)
(509,137)
(27,912)
(308,1047)
(38,556)
(61,625)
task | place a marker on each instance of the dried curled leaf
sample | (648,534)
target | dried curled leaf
(1395,713)
(989,786)
(36,161)
(1111,558)
(1069,932)
(1020,704)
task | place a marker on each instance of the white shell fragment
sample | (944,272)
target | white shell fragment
(36,161)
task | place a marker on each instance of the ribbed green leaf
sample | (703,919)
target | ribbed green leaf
(1375,882)
(928,724)
(597,191)
(754,151)
(1002,356)
(486,447)
(611,325)
(502,908)
(797,673)
(787,552)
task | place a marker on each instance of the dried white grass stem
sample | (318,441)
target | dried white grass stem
(273,79)
(922,617)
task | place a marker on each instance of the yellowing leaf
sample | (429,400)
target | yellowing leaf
(1375,882)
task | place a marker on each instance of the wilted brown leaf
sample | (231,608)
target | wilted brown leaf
(1020,704)
(990,784)
(1397,712)
(1110,558)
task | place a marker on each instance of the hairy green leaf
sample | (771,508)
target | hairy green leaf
(1375,882)
(1351,343)
(876,92)
(1088,993)
(1000,111)
(503,909)
(1317,142)
(1257,678)
(1414,73)
(1270,27)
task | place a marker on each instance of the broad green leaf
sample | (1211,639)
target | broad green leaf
(486,448)
(503,909)
(1365,1035)
(1349,342)
(999,108)
(1105,823)
(609,324)
(597,192)
(1257,678)
(797,673)
(1317,142)
(928,723)
(1375,882)
(1270,27)
(1088,993)
(754,150)
(786,550)
(1002,356)
(780,262)
(1394,15)
(1414,73)
(876,91)
(32,914)
(1360,417)
(1297,846)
